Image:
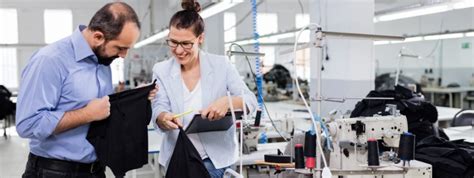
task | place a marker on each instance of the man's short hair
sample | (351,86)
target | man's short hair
(111,18)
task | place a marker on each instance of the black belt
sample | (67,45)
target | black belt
(65,166)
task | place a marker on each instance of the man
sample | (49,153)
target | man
(64,88)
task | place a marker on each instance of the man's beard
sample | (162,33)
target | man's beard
(103,59)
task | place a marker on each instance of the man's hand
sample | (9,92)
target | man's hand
(166,121)
(98,109)
(216,110)
(153,92)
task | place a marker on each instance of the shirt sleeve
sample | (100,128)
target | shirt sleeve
(237,87)
(37,115)
(161,103)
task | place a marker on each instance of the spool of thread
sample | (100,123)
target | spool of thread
(310,149)
(373,152)
(257,118)
(299,156)
(406,150)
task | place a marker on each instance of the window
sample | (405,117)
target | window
(229,31)
(8,68)
(9,30)
(302,20)
(302,56)
(57,24)
(264,21)
(117,71)
(229,27)
(8,57)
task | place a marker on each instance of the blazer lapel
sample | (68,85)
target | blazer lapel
(177,86)
(206,80)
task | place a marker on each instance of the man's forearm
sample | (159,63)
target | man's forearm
(72,119)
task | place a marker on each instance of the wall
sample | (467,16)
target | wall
(30,14)
(446,57)
(350,70)
(31,25)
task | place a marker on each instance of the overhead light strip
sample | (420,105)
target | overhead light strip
(214,9)
(429,37)
(423,10)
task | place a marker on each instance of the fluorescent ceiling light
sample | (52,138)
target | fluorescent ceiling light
(413,12)
(470,34)
(430,37)
(395,42)
(444,36)
(413,39)
(276,37)
(424,10)
(267,38)
(214,9)
(381,42)
(463,4)
(245,42)
(152,39)
(219,7)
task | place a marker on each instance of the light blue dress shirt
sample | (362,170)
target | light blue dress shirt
(60,77)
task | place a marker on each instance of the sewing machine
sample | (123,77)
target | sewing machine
(250,139)
(349,139)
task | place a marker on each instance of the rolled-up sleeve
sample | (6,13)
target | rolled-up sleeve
(161,103)
(40,89)
(237,87)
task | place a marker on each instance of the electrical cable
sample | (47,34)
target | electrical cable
(256,47)
(295,78)
(147,12)
(260,95)
(301,6)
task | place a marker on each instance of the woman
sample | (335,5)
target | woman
(196,80)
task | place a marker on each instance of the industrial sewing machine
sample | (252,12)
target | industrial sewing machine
(350,147)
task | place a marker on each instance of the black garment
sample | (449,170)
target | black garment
(420,114)
(39,167)
(452,159)
(121,140)
(186,161)
(7,107)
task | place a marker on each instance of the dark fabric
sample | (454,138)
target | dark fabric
(39,167)
(186,161)
(420,114)
(453,159)
(7,107)
(121,140)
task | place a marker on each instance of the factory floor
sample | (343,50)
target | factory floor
(14,154)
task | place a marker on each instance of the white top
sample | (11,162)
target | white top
(193,100)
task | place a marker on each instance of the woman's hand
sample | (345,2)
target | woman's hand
(167,121)
(153,92)
(216,110)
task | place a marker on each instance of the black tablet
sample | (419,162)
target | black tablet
(198,124)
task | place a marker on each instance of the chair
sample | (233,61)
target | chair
(7,108)
(463,118)
(469,98)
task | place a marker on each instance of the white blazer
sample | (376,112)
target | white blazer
(218,76)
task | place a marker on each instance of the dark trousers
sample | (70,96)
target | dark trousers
(39,167)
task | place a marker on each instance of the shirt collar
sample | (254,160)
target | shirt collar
(82,50)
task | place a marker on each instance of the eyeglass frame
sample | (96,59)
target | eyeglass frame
(180,43)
